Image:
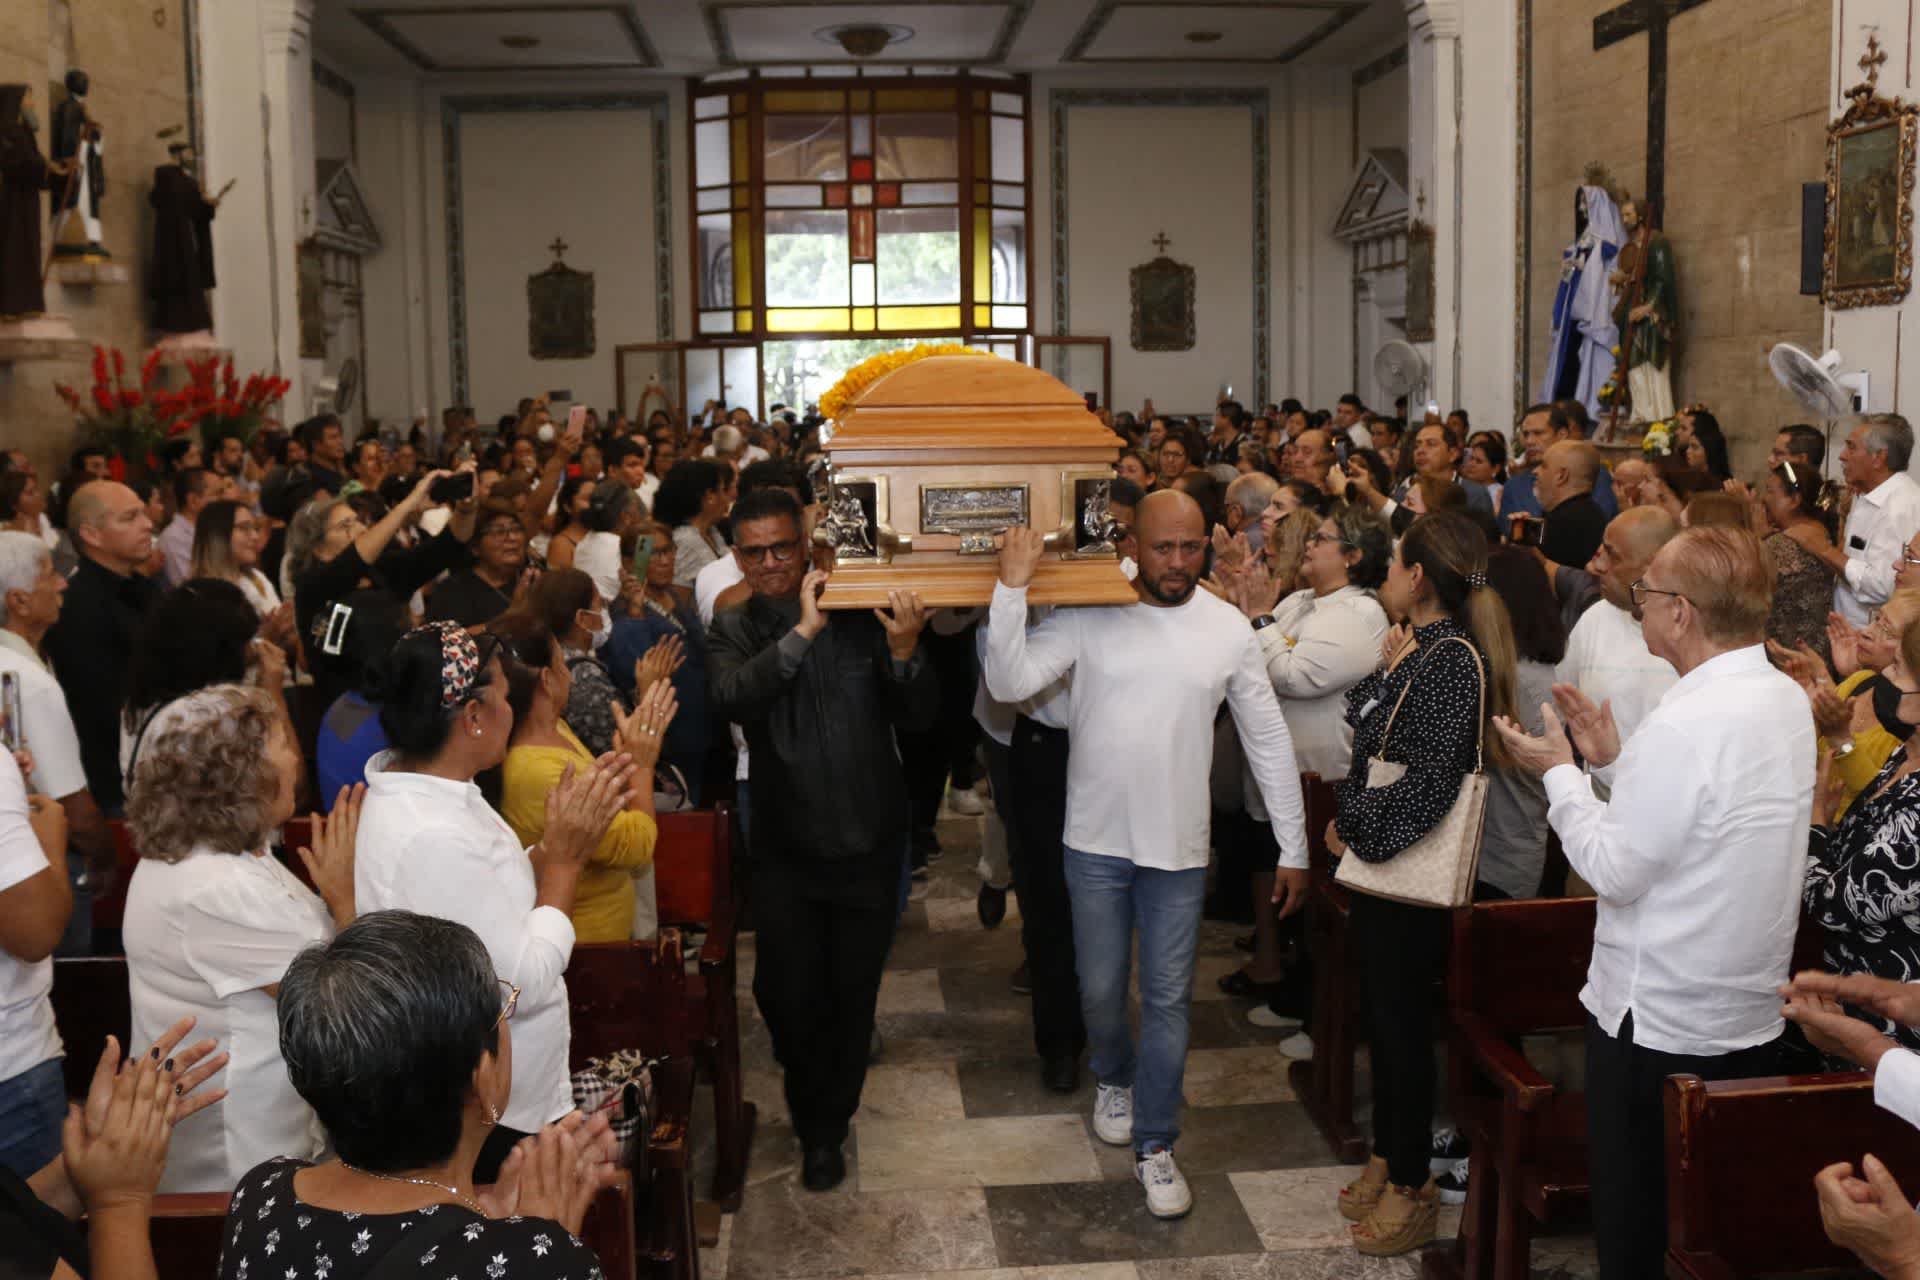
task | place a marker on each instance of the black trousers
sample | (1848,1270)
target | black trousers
(945,750)
(824,929)
(1627,1140)
(1037,789)
(1405,954)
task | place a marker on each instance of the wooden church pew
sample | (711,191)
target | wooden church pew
(1324,1085)
(1741,1155)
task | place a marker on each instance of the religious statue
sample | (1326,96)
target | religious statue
(182,267)
(847,529)
(1096,520)
(1646,315)
(75,138)
(24,173)
(1580,359)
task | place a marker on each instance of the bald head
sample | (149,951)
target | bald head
(1567,471)
(1629,545)
(1172,537)
(110,523)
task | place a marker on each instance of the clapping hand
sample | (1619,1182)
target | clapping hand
(1230,550)
(1870,1216)
(556,1173)
(1536,755)
(1882,997)
(1592,727)
(1256,591)
(641,734)
(579,808)
(667,655)
(1831,1029)
(329,861)
(1843,641)
(1394,643)
(114,1148)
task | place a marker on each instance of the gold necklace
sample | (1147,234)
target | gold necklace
(455,1192)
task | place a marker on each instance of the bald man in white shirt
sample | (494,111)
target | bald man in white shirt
(1698,861)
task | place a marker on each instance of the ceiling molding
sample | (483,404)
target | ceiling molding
(1014,18)
(1383,65)
(1340,13)
(378,21)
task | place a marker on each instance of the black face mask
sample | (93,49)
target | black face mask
(1886,708)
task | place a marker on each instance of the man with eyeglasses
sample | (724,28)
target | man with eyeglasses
(1136,839)
(1698,862)
(1885,514)
(820,697)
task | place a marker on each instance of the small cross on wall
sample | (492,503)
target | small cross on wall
(1161,242)
(558,248)
(1873,59)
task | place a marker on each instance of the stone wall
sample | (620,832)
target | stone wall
(135,56)
(1746,119)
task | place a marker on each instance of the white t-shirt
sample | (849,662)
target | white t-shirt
(709,585)
(27,1034)
(203,936)
(46,724)
(434,846)
(259,592)
(1608,660)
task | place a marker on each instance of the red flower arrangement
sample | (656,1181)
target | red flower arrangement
(130,420)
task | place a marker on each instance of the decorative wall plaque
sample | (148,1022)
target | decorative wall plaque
(1419,282)
(560,310)
(1162,303)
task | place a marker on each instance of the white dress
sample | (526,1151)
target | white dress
(203,936)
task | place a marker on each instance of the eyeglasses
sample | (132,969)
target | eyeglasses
(1318,536)
(512,1002)
(1907,556)
(780,552)
(1639,590)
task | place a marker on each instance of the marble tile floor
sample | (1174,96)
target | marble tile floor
(962,1167)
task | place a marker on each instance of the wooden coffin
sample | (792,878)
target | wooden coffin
(940,456)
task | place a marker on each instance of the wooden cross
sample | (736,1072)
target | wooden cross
(1873,59)
(1630,18)
(1161,242)
(558,248)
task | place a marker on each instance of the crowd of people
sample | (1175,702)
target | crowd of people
(487,661)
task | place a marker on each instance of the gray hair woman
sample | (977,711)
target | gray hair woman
(213,919)
(398,1035)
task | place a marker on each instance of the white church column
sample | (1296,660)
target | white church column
(256,106)
(1463,149)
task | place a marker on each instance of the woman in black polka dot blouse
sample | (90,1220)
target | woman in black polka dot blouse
(1436,585)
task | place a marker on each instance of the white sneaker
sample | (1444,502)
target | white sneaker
(967,804)
(1298,1046)
(1262,1016)
(1168,1195)
(1113,1115)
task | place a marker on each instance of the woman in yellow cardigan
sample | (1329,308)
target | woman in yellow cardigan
(542,750)
(1845,715)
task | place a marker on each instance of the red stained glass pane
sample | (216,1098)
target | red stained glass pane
(861,169)
(887,193)
(836,195)
(860,235)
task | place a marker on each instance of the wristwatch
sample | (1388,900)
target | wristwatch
(1844,750)
(1264,620)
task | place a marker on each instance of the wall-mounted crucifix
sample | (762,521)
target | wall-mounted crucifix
(1161,242)
(1631,18)
(558,248)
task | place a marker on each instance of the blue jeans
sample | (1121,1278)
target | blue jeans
(33,1105)
(1111,898)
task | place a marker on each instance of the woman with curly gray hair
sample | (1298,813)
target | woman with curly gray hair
(213,919)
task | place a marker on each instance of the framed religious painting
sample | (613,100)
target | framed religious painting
(1162,293)
(1869,239)
(1419,282)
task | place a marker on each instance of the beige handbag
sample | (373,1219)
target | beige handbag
(1438,869)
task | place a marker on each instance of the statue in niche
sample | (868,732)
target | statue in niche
(1646,316)
(182,268)
(24,173)
(75,138)
(1580,357)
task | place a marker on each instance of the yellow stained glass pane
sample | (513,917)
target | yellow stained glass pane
(982,317)
(863,319)
(744,319)
(819,100)
(742,260)
(806,319)
(738,104)
(861,99)
(980,193)
(740,150)
(979,145)
(982,253)
(914,99)
(920,317)
(740,196)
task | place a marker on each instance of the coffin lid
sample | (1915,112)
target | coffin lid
(977,402)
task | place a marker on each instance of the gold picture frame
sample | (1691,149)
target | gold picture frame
(1868,258)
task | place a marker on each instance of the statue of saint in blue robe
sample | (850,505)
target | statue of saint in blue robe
(1580,357)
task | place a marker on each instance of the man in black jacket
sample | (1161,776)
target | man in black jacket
(819,697)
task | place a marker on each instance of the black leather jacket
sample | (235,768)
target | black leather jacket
(819,720)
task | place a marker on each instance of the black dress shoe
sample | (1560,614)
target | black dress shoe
(822,1168)
(992,904)
(1061,1074)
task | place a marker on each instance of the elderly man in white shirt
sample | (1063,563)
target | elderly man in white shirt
(1607,658)
(1886,513)
(1137,803)
(1698,861)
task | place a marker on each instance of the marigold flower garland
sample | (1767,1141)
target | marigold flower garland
(835,403)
